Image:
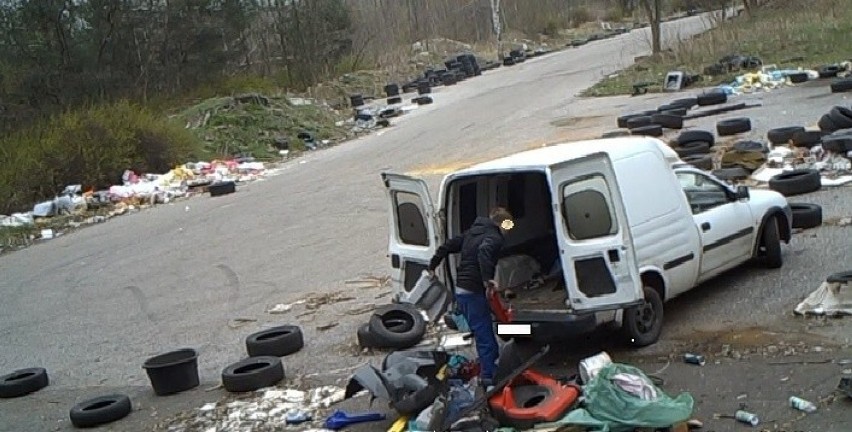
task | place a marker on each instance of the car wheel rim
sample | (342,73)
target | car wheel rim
(645,318)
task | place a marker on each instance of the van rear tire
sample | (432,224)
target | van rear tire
(643,324)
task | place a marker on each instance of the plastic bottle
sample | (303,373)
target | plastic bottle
(802,405)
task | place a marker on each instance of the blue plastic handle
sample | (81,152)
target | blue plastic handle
(340,419)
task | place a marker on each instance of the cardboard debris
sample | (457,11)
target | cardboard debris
(831,299)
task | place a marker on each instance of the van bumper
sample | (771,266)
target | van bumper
(548,324)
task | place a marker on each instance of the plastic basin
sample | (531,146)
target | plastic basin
(173,372)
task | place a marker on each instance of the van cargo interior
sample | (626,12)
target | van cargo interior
(531,249)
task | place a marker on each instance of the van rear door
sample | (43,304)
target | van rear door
(414,235)
(598,259)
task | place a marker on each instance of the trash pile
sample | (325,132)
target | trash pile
(832,298)
(770,77)
(139,191)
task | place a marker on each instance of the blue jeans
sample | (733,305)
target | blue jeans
(477,312)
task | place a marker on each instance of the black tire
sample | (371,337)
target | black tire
(23,382)
(700,161)
(796,182)
(276,341)
(686,103)
(100,410)
(806,215)
(828,71)
(383,322)
(841,116)
(733,126)
(711,98)
(693,148)
(365,338)
(622,120)
(615,134)
(638,121)
(394,100)
(843,85)
(737,173)
(653,130)
(696,135)
(668,121)
(749,146)
(799,77)
(826,124)
(222,188)
(252,374)
(806,139)
(770,244)
(837,143)
(666,107)
(422,100)
(842,277)
(783,135)
(680,112)
(643,324)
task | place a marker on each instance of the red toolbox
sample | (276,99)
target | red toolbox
(533,398)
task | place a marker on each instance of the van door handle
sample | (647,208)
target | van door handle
(614,256)
(705,226)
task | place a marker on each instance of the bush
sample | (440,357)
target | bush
(580,15)
(91,147)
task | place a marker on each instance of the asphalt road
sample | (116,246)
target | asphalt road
(93,305)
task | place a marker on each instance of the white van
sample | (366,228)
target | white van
(630,225)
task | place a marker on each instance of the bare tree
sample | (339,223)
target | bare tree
(652,10)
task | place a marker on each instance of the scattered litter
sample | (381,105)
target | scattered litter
(47,234)
(284,307)
(327,326)
(694,359)
(456,340)
(239,322)
(317,301)
(830,299)
(371,282)
(747,418)
(590,366)
(361,310)
(802,404)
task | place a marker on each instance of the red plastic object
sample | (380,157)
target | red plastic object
(548,402)
(501,311)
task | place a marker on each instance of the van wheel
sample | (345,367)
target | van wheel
(770,244)
(644,323)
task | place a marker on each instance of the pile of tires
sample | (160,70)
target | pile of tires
(837,118)
(694,148)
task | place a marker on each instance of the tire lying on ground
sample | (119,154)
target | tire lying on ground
(842,277)
(700,161)
(422,100)
(838,142)
(680,112)
(806,139)
(806,215)
(615,134)
(695,135)
(828,71)
(638,121)
(826,124)
(841,116)
(731,173)
(783,135)
(843,85)
(733,126)
(622,120)
(693,148)
(222,188)
(653,130)
(668,121)
(711,98)
(796,182)
(365,338)
(749,146)
(397,326)
(686,103)
(276,341)
(798,77)
(23,382)
(252,374)
(100,410)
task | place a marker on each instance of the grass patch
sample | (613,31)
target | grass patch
(251,123)
(783,32)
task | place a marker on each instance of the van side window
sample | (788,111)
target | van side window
(411,222)
(702,192)
(587,208)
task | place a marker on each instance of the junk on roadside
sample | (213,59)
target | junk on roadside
(746,417)
(397,326)
(695,359)
(340,419)
(802,404)
(832,298)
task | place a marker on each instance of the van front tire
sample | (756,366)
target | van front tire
(643,324)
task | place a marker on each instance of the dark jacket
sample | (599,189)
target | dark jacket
(480,248)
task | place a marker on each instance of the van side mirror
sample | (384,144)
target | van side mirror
(742,193)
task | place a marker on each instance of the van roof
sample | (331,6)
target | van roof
(541,158)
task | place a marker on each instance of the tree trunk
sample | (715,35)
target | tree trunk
(652,10)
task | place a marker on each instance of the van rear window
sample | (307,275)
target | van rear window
(410,220)
(587,208)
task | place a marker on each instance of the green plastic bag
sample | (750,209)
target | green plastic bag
(609,408)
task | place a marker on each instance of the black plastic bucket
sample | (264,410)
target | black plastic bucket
(173,372)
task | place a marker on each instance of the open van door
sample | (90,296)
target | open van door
(414,235)
(595,245)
